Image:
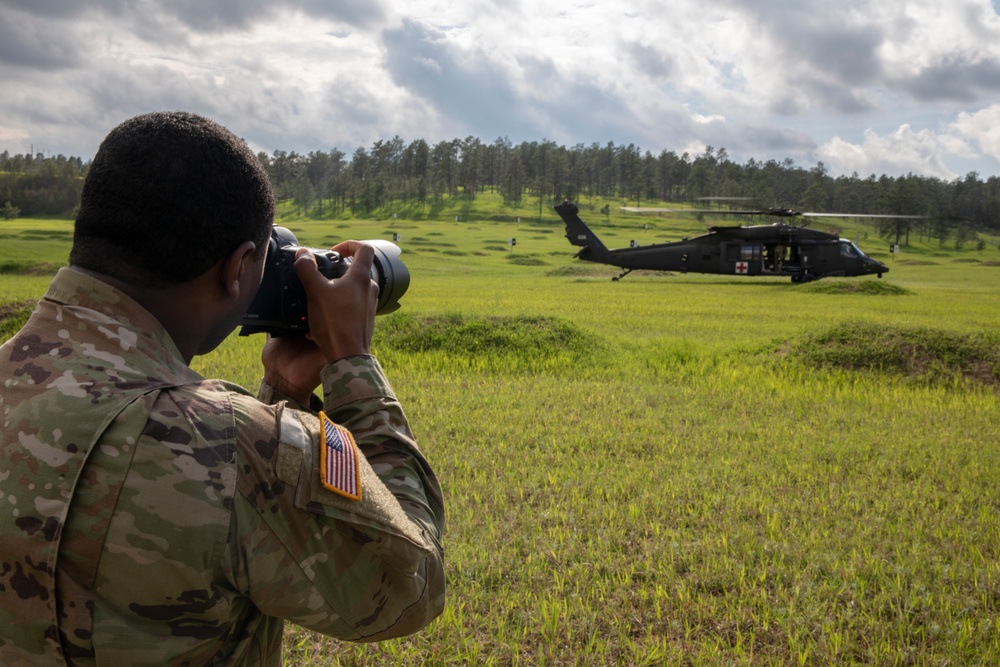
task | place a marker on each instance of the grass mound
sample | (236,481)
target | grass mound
(526,260)
(27,268)
(476,335)
(924,354)
(13,316)
(581,270)
(871,287)
(420,240)
(66,234)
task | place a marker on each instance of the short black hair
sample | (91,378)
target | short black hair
(166,197)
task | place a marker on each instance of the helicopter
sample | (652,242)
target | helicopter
(777,249)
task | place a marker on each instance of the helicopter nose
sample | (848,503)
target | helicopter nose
(874,266)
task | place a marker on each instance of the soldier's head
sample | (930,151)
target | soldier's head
(167,196)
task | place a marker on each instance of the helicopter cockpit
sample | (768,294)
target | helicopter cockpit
(848,249)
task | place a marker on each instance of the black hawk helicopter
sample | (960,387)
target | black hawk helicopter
(777,249)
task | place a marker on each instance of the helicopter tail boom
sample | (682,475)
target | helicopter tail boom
(579,234)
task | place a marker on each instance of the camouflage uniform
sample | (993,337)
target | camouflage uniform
(149,516)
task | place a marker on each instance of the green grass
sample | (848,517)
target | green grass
(926,355)
(27,241)
(684,469)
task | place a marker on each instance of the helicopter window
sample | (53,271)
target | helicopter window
(848,249)
(749,252)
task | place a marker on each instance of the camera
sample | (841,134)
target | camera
(280,306)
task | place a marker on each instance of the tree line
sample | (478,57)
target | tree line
(34,185)
(394,174)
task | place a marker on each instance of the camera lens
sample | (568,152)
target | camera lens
(391,275)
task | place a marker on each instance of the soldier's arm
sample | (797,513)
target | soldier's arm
(357,396)
(356,569)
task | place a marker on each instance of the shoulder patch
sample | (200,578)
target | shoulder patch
(339,469)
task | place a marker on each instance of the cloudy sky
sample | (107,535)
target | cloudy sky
(866,86)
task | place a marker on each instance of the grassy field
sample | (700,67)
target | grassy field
(679,469)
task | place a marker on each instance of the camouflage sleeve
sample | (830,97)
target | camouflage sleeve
(357,396)
(364,569)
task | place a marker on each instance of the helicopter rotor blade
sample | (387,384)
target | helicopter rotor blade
(709,211)
(655,209)
(779,212)
(862,215)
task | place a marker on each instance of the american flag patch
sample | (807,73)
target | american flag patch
(339,460)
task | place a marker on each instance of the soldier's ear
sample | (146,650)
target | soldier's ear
(236,269)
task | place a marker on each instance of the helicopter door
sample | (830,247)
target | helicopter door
(775,257)
(742,259)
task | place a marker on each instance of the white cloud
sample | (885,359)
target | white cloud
(703,119)
(903,151)
(982,128)
(919,34)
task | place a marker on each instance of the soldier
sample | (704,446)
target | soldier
(150,516)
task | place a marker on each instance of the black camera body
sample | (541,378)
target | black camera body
(281,307)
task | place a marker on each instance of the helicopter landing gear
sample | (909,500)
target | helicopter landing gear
(622,275)
(804,277)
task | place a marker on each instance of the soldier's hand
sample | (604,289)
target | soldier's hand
(292,365)
(342,310)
